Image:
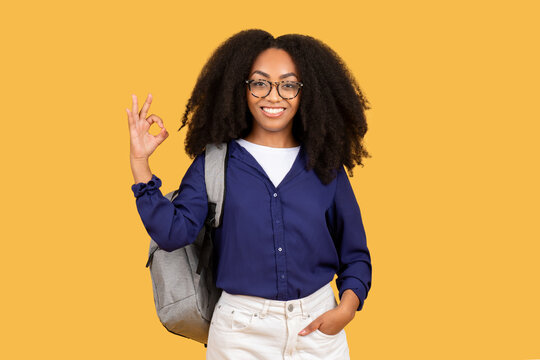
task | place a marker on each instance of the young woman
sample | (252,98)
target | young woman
(293,117)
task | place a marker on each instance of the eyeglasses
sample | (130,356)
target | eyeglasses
(286,89)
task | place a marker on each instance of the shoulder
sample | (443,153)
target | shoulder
(343,184)
(342,175)
(214,154)
(195,170)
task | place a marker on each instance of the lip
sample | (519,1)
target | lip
(273,107)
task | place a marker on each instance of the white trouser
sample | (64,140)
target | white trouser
(248,327)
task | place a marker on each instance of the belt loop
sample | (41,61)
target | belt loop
(304,312)
(265,308)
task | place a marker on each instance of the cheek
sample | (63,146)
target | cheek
(250,98)
(252,104)
(296,105)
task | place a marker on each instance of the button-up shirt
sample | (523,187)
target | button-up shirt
(280,243)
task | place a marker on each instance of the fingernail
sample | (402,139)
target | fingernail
(302,332)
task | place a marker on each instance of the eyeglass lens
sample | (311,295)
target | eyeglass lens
(262,88)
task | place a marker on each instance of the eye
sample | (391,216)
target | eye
(258,83)
(289,85)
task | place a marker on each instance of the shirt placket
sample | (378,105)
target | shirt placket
(279,245)
(276,213)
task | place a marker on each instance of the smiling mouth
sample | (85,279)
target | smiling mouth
(273,112)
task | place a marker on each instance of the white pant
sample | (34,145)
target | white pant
(248,327)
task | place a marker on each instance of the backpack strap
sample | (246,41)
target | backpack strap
(215,165)
(214,174)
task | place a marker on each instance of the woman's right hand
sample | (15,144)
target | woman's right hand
(142,143)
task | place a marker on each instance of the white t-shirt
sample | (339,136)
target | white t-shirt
(276,162)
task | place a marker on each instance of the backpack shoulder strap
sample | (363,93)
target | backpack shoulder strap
(215,165)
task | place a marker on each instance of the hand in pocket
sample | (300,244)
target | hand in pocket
(330,322)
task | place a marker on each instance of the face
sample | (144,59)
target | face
(273,65)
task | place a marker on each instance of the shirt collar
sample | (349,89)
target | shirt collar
(238,151)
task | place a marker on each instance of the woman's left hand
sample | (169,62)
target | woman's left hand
(330,322)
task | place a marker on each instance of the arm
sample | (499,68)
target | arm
(354,274)
(140,169)
(349,302)
(350,238)
(175,224)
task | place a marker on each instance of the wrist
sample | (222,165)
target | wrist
(349,303)
(348,309)
(140,169)
(135,159)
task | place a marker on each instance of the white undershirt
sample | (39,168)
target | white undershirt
(276,162)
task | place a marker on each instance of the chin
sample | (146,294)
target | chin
(273,126)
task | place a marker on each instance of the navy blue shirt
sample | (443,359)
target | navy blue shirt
(280,243)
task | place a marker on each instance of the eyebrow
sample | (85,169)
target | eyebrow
(266,75)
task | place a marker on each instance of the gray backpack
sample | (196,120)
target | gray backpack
(183,280)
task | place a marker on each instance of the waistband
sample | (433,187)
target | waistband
(323,297)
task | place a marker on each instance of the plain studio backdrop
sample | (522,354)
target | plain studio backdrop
(449,198)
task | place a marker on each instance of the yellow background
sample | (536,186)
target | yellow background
(449,198)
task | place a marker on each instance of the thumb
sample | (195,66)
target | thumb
(163,134)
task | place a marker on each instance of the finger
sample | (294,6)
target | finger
(130,120)
(160,122)
(163,134)
(134,108)
(155,119)
(310,328)
(146,106)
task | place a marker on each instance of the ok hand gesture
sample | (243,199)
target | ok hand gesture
(142,143)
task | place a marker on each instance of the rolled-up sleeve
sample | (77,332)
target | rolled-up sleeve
(350,238)
(175,224)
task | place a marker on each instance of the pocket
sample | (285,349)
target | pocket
(241,319)
(319,345)
(320,333)
(319,312)
(231,317)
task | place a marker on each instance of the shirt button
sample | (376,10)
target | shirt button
(279,249)
(275,194)
(277,221)
(291,307)
(282,276)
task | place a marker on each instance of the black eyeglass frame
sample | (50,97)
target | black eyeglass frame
(272,83)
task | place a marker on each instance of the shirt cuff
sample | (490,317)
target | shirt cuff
(141,188)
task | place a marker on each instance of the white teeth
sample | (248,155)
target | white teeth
(273,111)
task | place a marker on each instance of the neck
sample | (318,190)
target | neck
(277,141)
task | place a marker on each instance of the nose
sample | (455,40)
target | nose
(274,96)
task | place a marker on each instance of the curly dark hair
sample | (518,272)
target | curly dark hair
(330,123)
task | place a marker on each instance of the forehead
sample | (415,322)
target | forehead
(274,62)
